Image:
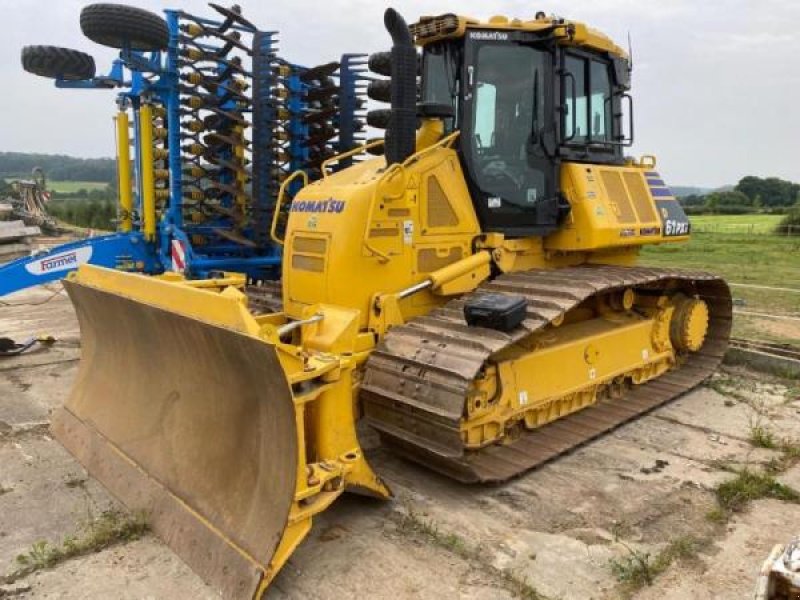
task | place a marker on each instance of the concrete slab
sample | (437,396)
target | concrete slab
(140,570)
(729,570)
(47,495)
(646,483)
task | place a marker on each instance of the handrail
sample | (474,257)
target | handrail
(445,142)
(348,154)
(281,193)
(390,172)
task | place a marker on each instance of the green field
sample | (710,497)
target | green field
(735,223)
(765,260)
(74,186)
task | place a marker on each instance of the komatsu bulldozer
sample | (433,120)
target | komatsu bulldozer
(473,295)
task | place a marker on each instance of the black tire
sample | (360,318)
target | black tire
(379,118)
(380,63)
(375,150)
(380,90)
(120,26)
(57,63)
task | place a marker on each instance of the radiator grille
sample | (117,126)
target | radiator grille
(640,196)
(619,196)
(440,213)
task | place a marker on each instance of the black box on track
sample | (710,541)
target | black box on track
(503,312)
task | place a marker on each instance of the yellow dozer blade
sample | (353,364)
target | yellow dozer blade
(192,424)
(192,410)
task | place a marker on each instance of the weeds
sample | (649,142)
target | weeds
(717,515)
(792,394)
(411,523)
(636,569)
(111,527)
(734,495)
(761,437)
(790,454)
(639,569)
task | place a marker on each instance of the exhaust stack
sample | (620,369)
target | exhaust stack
(401,133)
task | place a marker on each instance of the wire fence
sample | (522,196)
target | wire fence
(745,228)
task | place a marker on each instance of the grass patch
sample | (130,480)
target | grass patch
(717,515)
(71,187)
(768,260)
(111,527)
(790,455)
(751,223)
(412,524)
(732,388)
(736,494)
(761,437)
(638,569)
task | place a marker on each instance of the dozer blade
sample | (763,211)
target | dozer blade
(190,422)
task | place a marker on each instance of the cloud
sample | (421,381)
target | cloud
(715,83)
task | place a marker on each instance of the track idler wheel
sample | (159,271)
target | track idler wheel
(689,323)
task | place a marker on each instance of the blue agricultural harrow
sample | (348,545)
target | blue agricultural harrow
(211,122)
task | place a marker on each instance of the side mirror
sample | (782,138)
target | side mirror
(622,73)
(626,140)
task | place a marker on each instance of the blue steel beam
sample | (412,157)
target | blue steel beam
(125,251)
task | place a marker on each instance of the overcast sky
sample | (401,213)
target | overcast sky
(716,82)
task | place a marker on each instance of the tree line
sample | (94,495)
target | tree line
(58,166)
(93,213)
(751,194)
(95,209)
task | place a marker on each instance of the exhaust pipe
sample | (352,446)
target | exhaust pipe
(401,133)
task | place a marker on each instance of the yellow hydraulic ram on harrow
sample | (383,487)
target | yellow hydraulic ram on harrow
(473,295)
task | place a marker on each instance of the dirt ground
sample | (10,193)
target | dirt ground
(553,533)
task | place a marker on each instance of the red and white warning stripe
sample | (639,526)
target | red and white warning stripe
(178,252)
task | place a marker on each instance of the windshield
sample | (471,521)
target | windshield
(508,82)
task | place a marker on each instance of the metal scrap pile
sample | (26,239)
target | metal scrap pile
(16,239)
(30,202)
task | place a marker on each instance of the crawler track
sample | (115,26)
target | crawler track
(265,297)
(417,379)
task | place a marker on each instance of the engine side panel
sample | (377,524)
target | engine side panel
(615,206)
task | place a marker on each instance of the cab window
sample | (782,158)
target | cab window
(587,101)
(575,123)
(600,102)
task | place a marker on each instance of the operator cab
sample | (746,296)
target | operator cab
(524,100)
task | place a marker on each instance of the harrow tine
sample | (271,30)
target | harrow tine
(233,14)
(319,72)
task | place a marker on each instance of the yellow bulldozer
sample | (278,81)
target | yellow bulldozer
(473,295)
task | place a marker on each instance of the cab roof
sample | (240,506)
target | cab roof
(430,29)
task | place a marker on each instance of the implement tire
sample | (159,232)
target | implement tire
(380,90)
(379,118)
(57,63)
(120,26)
